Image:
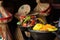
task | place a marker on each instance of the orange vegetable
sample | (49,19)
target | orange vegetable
(24,25)
(49,26)
(44,28)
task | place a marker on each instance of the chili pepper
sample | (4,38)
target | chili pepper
(41,20)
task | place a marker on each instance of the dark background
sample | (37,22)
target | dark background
(13,5)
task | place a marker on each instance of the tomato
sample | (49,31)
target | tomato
(22,17)
(24,25)
(33,17)
(32,22)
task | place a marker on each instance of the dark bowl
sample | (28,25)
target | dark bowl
(23,28)
(38,35)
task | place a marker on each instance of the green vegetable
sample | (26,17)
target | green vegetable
(18,23)
(27,18)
